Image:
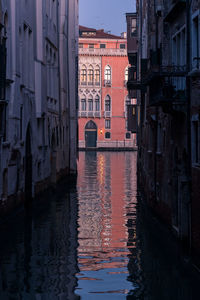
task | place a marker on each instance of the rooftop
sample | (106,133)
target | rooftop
(86,32)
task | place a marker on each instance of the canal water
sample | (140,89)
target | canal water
(92,240)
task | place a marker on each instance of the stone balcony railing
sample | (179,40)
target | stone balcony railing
(103,52)
(89,114)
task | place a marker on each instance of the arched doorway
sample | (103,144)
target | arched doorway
(90,135)
(28,167)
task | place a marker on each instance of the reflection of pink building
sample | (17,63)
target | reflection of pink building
(104,202)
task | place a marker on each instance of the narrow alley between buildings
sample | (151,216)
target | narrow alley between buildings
(93,240)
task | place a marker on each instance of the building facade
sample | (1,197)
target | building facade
(167,84)
(38,91)
(103,97)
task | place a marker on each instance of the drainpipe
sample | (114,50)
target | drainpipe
(188,97)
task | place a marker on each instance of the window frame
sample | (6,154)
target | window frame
(107,123)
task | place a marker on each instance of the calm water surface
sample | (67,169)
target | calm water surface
(92,241)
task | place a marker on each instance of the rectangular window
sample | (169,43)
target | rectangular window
(91,46)
(133,27)
(102,46)
(80,45)
(107,124)
(122,46)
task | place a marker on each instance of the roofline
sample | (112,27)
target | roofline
(101,39)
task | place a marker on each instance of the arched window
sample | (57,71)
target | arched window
(83,78)
(97,103)
(97,76)
(126,74)
(90,75)
(90,125)
(90,103)
(83,103)
(107,74)
(107,103)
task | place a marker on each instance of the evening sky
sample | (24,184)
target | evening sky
(105,14)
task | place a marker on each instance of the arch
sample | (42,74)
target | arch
(107,73)
(83,75)
(28,166)
(97,75)
(90,135)
(91,125)
(107,103)
(90,75)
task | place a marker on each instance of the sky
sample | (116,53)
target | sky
(105,14)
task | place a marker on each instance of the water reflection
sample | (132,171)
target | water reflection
(121,253)
(93,242)
(38,251)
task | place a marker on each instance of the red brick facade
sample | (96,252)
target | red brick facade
(108,53)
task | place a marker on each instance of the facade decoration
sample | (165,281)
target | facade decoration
(103,67)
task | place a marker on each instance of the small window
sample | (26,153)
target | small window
(91,46)
(107,124)
(133,26)
(80,45)
(122,46)
(107,135)
(128,135)
(102,46)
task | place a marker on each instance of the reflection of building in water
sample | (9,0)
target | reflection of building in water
(41,261)
(103,205)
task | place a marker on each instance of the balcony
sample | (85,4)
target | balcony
(97,114)
(164,94)
(107,83)
(157,71)
(175,8)
(82,114)
(107,114)
(89,114)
